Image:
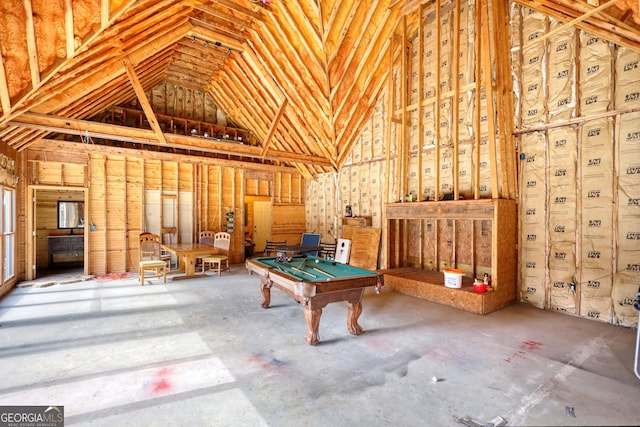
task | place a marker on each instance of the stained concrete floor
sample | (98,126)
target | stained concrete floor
(202,352)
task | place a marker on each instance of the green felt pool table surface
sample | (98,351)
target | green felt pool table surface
(313,269)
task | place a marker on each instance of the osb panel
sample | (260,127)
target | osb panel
(413,244)
(429,285)
(464,251)
(430,244)
(482,241)
(365,244)
(445,243)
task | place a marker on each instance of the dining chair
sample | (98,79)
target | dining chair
(219,260)
(328,250)
(270,247)
(149,249)
(205,238)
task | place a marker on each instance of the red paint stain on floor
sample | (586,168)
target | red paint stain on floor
(525,348)
(160,381)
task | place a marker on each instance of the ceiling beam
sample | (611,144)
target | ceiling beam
(69,126)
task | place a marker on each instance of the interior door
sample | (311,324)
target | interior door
(261,224)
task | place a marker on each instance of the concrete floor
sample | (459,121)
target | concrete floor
(202,352)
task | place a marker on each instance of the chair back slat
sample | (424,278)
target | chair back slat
(270,247)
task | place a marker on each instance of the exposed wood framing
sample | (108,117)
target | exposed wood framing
(5,100)
(570,24)
(274,125)
(31,44)
(455,104)
(68,26)
(476,115)
(438,23)
(420,104)
(144,102)
(121,133)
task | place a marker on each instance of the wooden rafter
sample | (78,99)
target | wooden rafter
(144,102)
(68,26)
(5,100)
(31,44)
(274,126)
(571,23)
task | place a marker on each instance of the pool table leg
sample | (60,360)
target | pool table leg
(265,288)
(313,322)
(353,313)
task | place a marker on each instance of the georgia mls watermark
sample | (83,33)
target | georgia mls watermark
(31,416)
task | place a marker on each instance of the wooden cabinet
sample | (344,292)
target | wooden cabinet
(66,250)
(476,236)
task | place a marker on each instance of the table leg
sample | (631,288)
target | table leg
(265,288)
(353,313)
(189,266)
(313,322)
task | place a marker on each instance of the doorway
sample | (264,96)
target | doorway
(56,228)
(257,221)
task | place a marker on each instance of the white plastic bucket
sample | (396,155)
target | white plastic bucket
(453,277)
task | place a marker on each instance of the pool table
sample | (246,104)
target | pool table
(316,282)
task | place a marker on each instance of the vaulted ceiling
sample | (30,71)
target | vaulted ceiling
(303,76)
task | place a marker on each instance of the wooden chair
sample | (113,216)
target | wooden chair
(270,248)
(220,259)
(328,250)
(204,238)
(150,260)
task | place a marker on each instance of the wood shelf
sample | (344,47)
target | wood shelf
(476,236)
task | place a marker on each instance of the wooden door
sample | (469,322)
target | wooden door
(261,224)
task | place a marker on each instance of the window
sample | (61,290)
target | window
(8,221)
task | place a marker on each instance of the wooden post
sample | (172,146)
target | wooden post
(454,101)
(437,105)
(488,91)
(420,105)
(476,115)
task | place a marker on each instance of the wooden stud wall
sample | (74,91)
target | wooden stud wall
(120,180)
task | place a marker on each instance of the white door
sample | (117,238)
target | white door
(261,224)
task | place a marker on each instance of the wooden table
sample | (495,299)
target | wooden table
(316,282)
(186,254)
